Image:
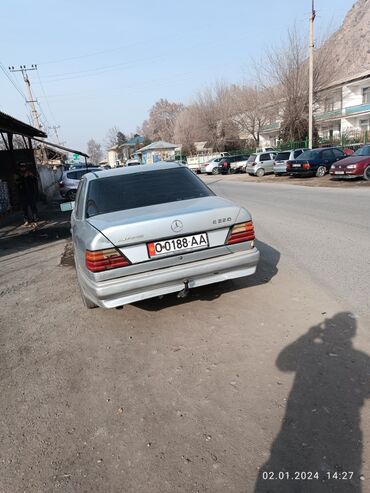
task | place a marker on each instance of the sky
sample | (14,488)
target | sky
(105,63)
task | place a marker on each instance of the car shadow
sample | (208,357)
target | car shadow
(266,270)
(319,446)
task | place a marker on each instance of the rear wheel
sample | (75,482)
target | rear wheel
(260,172)
(215,171)
(321,170)
(367,173)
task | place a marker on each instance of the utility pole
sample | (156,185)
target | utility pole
(55,128)
(310,84)
(31,101)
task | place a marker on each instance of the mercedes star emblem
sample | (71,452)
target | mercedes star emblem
(177,226)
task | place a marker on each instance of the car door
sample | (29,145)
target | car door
(268,162)
(327,158)
(338,154)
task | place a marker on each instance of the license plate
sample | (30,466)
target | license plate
(174,245)
(296,165)
(339,172)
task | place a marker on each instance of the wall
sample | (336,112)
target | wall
(49,181)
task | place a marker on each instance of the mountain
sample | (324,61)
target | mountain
(350,44)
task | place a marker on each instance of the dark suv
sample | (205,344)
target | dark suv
(314,162)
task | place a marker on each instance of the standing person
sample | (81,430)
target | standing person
(27,187)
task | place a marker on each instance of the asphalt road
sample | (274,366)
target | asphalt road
(324,232)
(260,377)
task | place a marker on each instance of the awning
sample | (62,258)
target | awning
(57,146)
(8,124)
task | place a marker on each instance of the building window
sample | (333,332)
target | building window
(329,104)
(366,95)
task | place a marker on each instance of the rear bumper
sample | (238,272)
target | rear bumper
(280,168)
(251,170)
(121,291)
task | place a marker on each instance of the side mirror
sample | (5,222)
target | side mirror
(67,206)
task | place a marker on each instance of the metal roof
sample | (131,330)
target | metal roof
(160,144)
(80,153)
(14,126)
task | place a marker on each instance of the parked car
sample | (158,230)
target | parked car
(225,164)
(260,164)
(142,232)
(354,166)
(70,180)
(283,157)
(211,167)
(237,162)
(315,162)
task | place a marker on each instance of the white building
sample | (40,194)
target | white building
(344,112)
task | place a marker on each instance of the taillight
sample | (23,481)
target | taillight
(100,260)
(241,232)
(306,166)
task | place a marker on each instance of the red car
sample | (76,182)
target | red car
(355,166)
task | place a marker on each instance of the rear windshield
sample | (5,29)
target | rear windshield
(282,156)
(363,151)
(309,155)
(252,158)
(142,189)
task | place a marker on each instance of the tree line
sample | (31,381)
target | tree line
(223,114)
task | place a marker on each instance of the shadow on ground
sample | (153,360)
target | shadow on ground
(267,269)
(320,435)
(53,226)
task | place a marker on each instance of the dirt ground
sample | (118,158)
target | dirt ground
(257,376)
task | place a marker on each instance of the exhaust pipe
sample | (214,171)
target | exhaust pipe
(184,292)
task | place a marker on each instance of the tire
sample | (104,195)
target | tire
(367,173)
(71,195)
(215,171)
(321,170)
(260,172)
(250,174)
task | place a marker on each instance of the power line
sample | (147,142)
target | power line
(46,97)
(12,82)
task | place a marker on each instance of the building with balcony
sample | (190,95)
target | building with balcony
(344,111)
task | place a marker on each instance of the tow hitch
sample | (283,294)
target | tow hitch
(184,292)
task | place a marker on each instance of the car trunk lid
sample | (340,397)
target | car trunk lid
(133,229)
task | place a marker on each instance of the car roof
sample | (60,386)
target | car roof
(134,169)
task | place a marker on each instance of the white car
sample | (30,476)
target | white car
(211,167)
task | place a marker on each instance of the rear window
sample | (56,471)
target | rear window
(73,175)
(142,189)
(252,158)
(310,154)
(282,156)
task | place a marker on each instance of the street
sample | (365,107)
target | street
(259,375)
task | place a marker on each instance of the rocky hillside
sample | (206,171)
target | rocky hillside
(350,45)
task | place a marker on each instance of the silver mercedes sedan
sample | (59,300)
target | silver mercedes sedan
(145,231)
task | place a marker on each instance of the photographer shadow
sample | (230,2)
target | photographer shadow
(321,429)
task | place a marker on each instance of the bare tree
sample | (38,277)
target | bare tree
(284,75)
(187,129)
(250,111)
(94,151)
(162,119)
